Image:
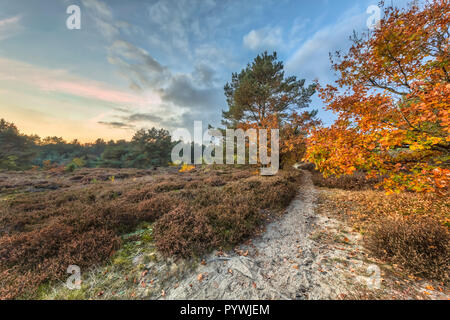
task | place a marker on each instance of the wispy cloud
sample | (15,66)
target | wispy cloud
(267,38)
(61,81)
(10,26)
(195,93)
(311,59)
(136,65)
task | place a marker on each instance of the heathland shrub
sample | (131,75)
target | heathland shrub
(356,181)
(228,214)
(183,232)
(41,234)
(421,245)
(156,207)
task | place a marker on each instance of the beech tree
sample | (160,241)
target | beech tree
(392,98)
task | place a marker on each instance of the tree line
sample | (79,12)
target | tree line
(147,149)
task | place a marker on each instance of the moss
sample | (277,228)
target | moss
(116,279)
(51,292)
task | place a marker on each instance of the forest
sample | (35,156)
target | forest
(147,149)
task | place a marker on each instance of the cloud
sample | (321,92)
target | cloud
(187,88)
(136,64)
(267,38)
(60,81)
(9,21)
(139,117)
(311,59)
(183,95)
(10,26)
(116,124)
(179,22)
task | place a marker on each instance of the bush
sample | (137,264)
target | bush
(156,207)
(420,245)
(184,233)
(42,233)
(227,215)
(356,181)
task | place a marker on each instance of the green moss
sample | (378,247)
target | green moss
(48,291)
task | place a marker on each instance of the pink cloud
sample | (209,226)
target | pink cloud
(92,91)
(9,21)
(54,80)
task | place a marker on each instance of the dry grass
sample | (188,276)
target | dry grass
(407,229)
(418,244)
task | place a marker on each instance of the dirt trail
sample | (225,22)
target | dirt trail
(279,264)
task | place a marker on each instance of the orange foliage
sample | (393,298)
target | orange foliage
(393,101)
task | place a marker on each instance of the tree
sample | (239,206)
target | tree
(392,98)
(147,149)
(115,154)
(260,96)
(17,150)
(151,148)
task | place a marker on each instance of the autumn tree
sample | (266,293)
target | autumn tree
(392,98)
(261,96)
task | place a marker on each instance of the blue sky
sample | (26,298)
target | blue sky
(163,63)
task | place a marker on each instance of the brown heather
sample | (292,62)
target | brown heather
(50,220)
(408,229)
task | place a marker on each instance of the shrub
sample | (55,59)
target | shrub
(156,207)
(356,181)
(228,215)
(420,245)
(184,233)
(42,233)
(232,221)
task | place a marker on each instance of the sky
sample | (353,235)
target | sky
(140,64)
